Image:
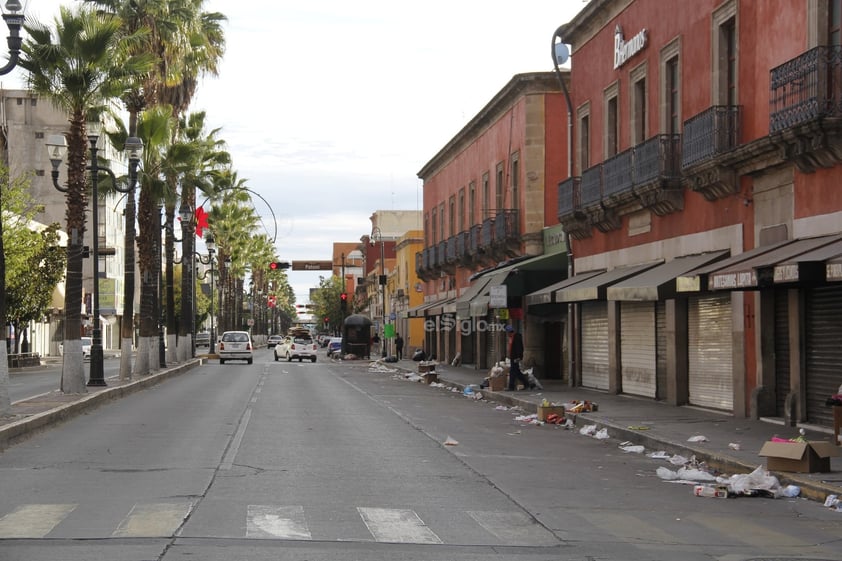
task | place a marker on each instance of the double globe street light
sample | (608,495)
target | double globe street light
(57,150)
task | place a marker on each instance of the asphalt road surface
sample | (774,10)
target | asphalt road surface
(330,461)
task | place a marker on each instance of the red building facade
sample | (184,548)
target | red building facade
(704,211)
(489,193)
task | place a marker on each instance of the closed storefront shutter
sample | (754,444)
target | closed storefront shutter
(824,351)
(661,350)
(595,345)
(710,330)
(781,351)
(637,348)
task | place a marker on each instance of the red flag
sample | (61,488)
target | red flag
(201,221)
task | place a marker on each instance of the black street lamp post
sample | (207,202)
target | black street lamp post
(211,246)
(57,149)
(376,234)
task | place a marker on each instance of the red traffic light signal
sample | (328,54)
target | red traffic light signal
(344,296)
(343,301)
(277,265)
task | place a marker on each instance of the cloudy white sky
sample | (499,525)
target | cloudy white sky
(330,108)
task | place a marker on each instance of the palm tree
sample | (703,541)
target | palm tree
(89,64)
(187,42)
(153,127)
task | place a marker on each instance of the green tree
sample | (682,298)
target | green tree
(326,302)
(80,66)
(35,266)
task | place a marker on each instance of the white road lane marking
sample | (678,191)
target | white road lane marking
(33,521)
(153,520)
(285,522)
(231,453)
(397,526)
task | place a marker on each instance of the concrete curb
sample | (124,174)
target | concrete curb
(23,428)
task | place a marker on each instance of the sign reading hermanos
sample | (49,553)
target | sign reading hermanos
(624,50)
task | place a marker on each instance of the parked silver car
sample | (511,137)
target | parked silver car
(235,345)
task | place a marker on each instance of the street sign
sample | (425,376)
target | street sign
(498,296)
(250,322)
(393,316)
(312,265)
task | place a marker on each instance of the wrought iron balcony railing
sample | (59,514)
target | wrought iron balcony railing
(568,196)
(441,252)
(590,191)
(657,159)
(463,240)
(450,251)
(712,132)
(429,258)
(506,226)
(487,233)
(806,88)
(617,174)
(475,238)
(419,262)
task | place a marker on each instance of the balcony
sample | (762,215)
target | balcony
(805,107)
(507,233)
(441,254)
(707,136)
(657,174)
(570,214)
(590,191)
(463,242)
(617,179)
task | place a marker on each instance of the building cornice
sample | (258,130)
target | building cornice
(521,85)
(590,21)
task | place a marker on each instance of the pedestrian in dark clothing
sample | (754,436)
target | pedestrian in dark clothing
(398,346)
(515,356)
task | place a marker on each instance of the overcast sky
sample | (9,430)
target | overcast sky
(330,108)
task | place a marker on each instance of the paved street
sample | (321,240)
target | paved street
(333,460)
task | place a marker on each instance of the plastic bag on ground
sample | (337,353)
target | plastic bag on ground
(601,434)
(759,479)
(588,430)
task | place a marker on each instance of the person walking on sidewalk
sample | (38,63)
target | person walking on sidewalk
(515,356)
(398,346)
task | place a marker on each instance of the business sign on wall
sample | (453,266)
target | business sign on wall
(624,50)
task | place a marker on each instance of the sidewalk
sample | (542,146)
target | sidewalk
(661,427)
(40,412)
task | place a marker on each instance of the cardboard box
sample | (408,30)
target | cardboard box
(422,368)
(799,457)
(497,383)
(430,377)
(545,411)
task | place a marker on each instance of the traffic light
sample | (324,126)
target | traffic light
(343,301)
(278,265)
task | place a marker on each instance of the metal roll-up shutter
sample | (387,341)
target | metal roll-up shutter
(824,351)
(660,350)
(709,331)
(637,348)
(595,345)
(781,351)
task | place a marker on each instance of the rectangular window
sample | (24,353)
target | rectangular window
(584,143)
(612,127)
(834,22)
(499,192)
(515,170)
(462,209)
(638,111)
(433,233)
(486,197)
(472,203)
(672,93)
(452,215)
(442,217)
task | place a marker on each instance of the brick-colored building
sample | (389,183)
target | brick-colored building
(704,211)
(486,195)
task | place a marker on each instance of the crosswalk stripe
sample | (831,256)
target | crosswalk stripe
(285,522)
(33,521)
(513,528)
(153,520)
(397,526)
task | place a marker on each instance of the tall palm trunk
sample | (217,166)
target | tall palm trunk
(72,372)
(172,326)
(127,327)
(148,241)
(188,242)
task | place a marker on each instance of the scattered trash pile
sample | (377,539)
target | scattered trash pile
(705,482)
(379,366)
